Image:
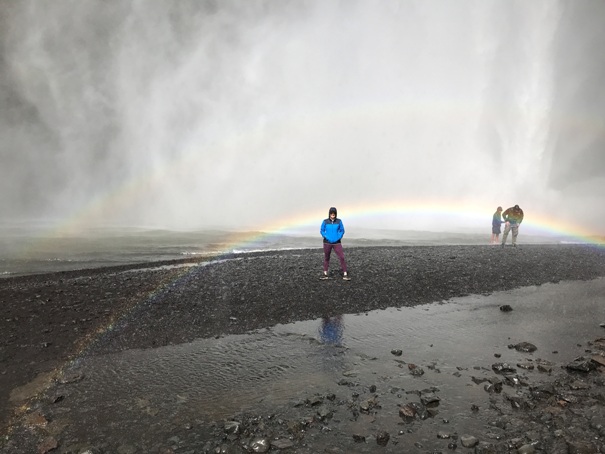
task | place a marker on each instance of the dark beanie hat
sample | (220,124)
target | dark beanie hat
(332,210)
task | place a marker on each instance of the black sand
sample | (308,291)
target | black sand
(49,319)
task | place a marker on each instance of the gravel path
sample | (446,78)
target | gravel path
(49,319)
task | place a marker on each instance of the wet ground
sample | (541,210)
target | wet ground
(426,378)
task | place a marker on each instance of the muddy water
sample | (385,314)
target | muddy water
(149,395)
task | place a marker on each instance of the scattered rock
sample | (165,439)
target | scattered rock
(493,387)
(582,364)
(407,412)
(260,445)
(315,401)
(468,441)
(324,413)
(503,368)
(415,370)
(48,444)
(232,427)
(517,402)
(600,360)
(544,366)
(359,438)
(430,400)
(382,438)
(478,380)
(543,391)
(282,443)
(578,384)
(524,347)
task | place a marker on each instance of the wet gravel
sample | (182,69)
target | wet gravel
(49,319)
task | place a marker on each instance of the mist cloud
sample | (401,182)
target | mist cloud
(234,113)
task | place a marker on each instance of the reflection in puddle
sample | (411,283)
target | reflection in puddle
(152,392)
(331,329)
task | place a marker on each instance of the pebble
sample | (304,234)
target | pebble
(468,441)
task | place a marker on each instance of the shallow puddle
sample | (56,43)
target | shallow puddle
(148,395)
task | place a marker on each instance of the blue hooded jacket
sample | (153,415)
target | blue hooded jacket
(332,231)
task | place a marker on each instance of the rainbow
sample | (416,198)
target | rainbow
(472,215)
(396,214)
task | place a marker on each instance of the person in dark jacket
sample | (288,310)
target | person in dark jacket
(513,217)
(496,223)
(332,231)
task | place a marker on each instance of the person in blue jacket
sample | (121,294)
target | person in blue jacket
(332,230)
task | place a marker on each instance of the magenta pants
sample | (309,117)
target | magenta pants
(339,252)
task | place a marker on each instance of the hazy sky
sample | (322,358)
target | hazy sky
(242,113)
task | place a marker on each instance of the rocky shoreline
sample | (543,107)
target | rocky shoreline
(50,319)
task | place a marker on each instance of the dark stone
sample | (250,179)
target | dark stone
(525,347)
(382,438)
(359,438)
